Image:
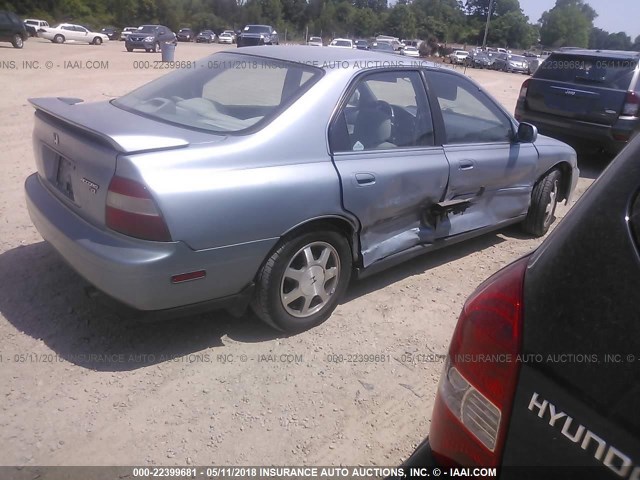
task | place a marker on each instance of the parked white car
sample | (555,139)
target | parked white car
(315,41)
(33,25)
(225,37)
(458,56)
(410,52)
(68,32)
(341,43)
(126,31)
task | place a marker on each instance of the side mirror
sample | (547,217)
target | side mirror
(527,133)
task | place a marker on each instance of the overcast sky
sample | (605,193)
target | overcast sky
(613,15)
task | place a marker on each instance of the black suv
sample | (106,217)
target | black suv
(257,35)
(542,377)
(12,29)
(587,98)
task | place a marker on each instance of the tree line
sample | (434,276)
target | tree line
(568,23)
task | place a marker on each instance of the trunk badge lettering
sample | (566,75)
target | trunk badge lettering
(93,187)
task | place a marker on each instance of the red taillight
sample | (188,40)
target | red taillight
(631,106)
(478,383)
(523,89)
(132,211)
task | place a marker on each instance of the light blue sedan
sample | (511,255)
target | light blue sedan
(270,176)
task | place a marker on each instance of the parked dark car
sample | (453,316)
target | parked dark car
(111,32)
(542,370)
(588,98)
(185,35)
(12,29)
(206,36)
(507,62)
(478,59)
(382,47)
(149,37)
(257,35)
(361,44)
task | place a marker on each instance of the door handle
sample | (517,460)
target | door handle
(466,164)
(365,179)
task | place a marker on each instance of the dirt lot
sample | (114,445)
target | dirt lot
(84,387)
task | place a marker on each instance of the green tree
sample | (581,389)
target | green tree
(569,23)
(401,22)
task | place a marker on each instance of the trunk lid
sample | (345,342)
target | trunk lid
(76,147)
(591,89)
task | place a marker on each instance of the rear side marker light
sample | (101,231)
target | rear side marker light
(187,277)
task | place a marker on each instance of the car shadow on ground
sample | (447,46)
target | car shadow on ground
(44,298)
(592,164)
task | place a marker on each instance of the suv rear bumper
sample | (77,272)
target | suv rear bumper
(612,138)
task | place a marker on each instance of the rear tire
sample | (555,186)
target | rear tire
(58,39)
(17,41)
(544,200)
(302,282)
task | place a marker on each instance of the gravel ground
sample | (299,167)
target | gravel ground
(84,387)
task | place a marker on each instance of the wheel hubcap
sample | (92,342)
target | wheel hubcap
(310,279)
(551,206)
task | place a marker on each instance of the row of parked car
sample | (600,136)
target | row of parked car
(383,44)
(502,60)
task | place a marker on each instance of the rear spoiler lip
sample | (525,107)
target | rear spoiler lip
(61,108)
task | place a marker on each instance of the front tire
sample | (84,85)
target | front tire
(302,282)
(544,201)
(17,41)
(97,41)
(156,47)
(129,49)
(58,39)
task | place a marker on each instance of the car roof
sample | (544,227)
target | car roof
(598,53)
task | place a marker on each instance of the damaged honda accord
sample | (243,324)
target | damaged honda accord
(268,178)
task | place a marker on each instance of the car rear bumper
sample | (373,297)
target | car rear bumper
(610,137)
(138,45)
(138,272)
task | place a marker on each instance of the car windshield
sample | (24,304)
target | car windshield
(185,30)
(606,72)
(257,29)
(410,49)
(315,39)
(342,43)
(219,97)
(382,46)
(147,29)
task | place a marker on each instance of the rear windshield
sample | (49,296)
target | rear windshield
(601,71)
(223,93)
(257,29)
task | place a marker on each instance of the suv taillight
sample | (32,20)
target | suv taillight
(523,89)
(478,383)
(131,210)
(631,106)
